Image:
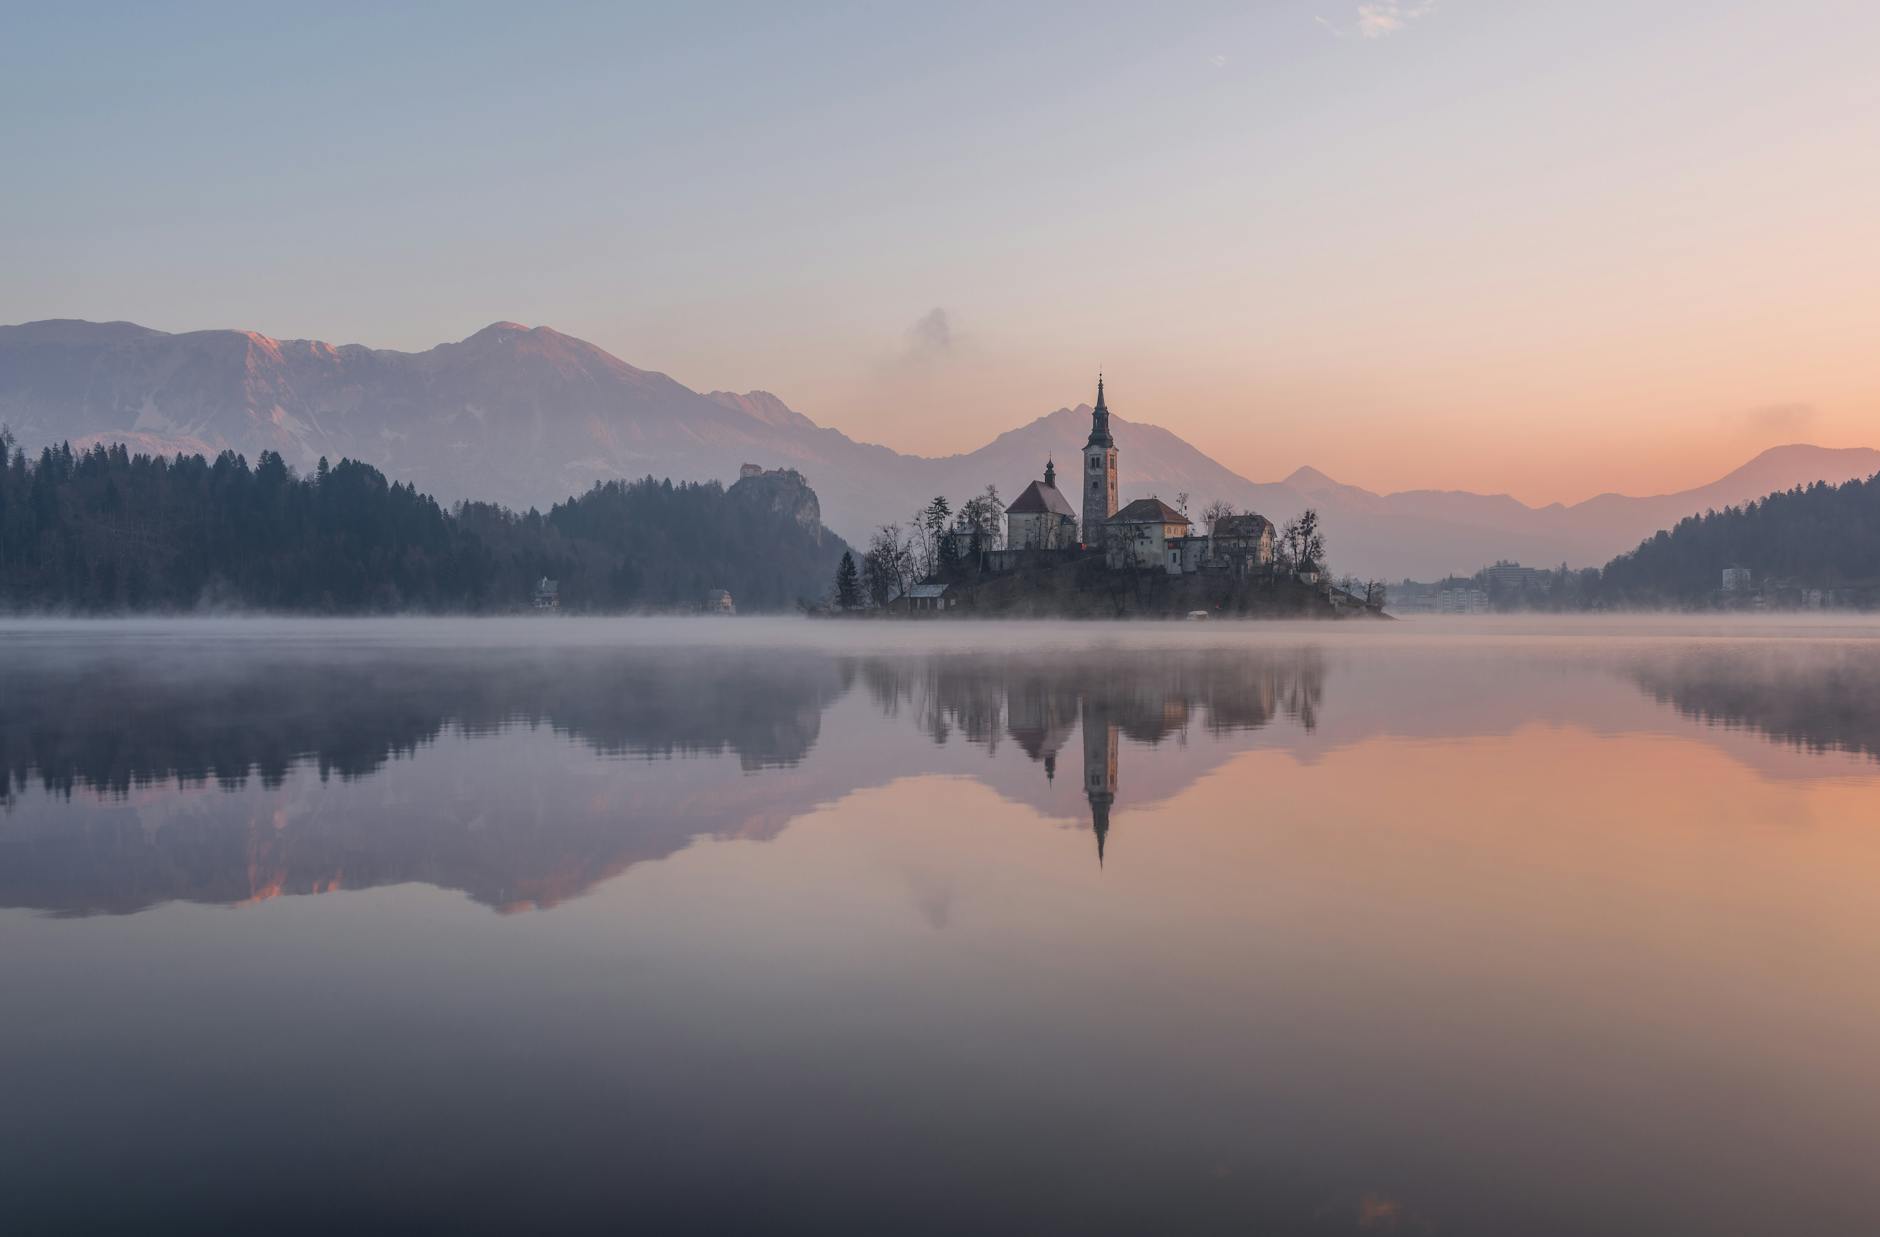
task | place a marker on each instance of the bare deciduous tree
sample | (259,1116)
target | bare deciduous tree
(1300,543)
(888,566)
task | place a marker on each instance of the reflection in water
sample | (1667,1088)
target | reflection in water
(1379,934)
(115,723)
(1100,744)
(1819,698)
(143,742)
(1040,700)
(147,741)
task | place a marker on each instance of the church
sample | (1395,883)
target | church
(1041,518)
(1145,535)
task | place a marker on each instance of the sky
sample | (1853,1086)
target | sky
(1549,249)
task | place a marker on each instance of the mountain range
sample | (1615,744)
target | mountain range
(526,416)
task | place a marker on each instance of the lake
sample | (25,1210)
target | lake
(776,926)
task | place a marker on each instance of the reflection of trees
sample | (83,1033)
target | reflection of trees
(1147,697)
(157,736)
(1813,697)
(118,724)
(1150,695)
(511,831)
(942,694)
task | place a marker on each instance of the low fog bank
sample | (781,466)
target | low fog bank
(839,633)
(30,637)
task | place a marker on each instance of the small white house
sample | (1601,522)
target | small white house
(1736,580)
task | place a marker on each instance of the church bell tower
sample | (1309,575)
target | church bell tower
(1099,484)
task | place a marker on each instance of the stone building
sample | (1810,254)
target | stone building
(1041,518)
(1099,483)
(1146,534)
(1243,541)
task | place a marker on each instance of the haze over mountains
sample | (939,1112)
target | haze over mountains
(528,416)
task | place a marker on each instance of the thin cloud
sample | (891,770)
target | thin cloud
(931,335)
(1379,18)
(931,346)
(1772,420)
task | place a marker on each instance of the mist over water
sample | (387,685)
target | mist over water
(1471,927)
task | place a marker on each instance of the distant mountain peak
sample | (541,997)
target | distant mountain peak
(498,333)
(1781,468)
(762,405)
(77,330)
(1791,452)
(1307,479)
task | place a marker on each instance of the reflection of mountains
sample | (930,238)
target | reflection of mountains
(1815,697)
(527,819)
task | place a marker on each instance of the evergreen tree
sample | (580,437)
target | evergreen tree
(848,584)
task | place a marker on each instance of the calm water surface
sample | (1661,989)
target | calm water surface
(785,927)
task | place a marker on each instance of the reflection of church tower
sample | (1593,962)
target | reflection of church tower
(1099,484)
(1100,738)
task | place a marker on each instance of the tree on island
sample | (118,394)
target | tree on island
(983,516)
(1301,545)
(888,566)
(848,584)
(930,530)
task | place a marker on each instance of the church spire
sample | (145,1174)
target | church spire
(1050,473)
(1100,420)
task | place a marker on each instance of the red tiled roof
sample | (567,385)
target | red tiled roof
(1040,499)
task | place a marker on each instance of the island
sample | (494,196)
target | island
(1037,559)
